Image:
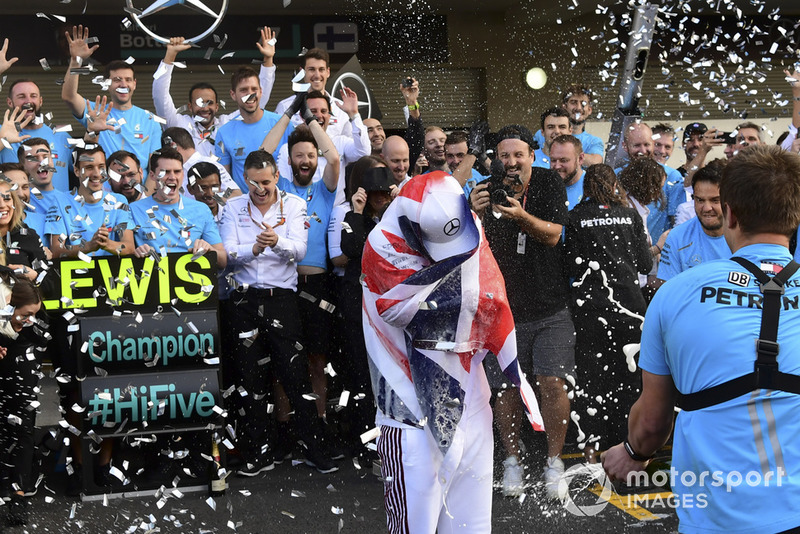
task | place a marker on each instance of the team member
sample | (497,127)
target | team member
(606,247)
(700,239)
(202,120)
(698,336)
(395,153)
(20,186)
(317,69)
(526,240)
(126,177)
(426,360)
(159,230)
(265,235)
(102,224)
(138,132)
(25,94)
(236,139)
(566,158)
(663,142)
(747,134)
(180,139)
(376,135)
(555,122)
(456,146)
(578,100)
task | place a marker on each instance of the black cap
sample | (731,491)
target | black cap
(378,179)
(517,131)
(695,128)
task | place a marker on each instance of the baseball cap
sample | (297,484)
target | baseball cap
(377,179)
(446,225)
(695,128)
(517,131)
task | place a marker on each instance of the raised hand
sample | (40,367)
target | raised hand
(98,118)
(359,200)
(10,130)
(266,44)
(349,102)
(78,47)
(174,47)
(6,63)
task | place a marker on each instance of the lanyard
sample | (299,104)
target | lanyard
(281,218)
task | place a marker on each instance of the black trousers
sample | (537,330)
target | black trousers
(274,350)
(19,377)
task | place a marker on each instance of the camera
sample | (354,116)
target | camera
(496,185)
(407,82)
(728,137)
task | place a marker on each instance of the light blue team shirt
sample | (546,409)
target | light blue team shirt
(700,329)
(797,247)
(542,159)
(591,143)
(477,178)
(320,205)
(575,193)
(112,211)
(61,204)
(36,221)
(65,217)
(236,139)
(140,134)
(177,225)
(688,246)
(59,149)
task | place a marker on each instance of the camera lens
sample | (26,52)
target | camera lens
(499,196)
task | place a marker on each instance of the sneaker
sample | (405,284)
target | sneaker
(261,463)
(513,477)
(554,484)
(320,462)
(283,450)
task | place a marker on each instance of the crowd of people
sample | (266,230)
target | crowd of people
(286,201)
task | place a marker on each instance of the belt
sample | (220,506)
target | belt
(306,278)
(268,292)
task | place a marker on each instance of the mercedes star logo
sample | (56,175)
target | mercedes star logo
(160,5)
(452,226)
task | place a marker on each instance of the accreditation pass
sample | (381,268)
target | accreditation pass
(521,239)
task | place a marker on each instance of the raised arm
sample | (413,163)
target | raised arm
(331,173)
(5,64)
(266,75)
(79,52)
(274,136)
(165,106)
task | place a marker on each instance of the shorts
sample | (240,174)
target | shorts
(316,307)
(545,346)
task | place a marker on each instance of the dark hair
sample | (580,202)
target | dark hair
(554,112)
(23,291)
(642,179)
(177,135)
(516,131)
(87,150)
(163,153)
(711,173)
(201,170)
(118,64)
(33,141)
(202,85)
(761,186)
(315,53)
(662,127)
(569,140)
(242,73)
(5,167)
(301,134)
(360,167)
(600,186)
(577,89)
(119,155)
(258,159)
(319,94)
(19,81)
(456,137)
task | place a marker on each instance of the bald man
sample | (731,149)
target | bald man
(395,152)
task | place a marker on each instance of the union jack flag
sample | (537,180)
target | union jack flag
(429,324)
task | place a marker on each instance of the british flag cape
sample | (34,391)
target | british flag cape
(428,325)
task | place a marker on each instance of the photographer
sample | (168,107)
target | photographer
(524,233)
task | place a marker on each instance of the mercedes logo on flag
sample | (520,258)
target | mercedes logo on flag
(197,6)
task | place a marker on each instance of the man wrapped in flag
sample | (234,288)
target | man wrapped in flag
(434,305)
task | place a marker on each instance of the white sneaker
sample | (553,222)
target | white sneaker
(513,475)
(554,484)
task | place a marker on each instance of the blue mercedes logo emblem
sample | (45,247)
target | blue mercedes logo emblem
(197,6)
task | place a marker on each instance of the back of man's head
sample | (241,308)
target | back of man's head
(761,186)
(177,136)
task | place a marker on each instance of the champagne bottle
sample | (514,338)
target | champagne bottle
(216,483)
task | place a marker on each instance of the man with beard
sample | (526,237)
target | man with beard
(125,173)
(577,100)
(526,241)
(25,94)
(158,230)
(202,120)
(350,147)
(700,239)
(138,132)
(376,135)
(236,139)
(105,225)
(304,145)
(555,122)
(566,158)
